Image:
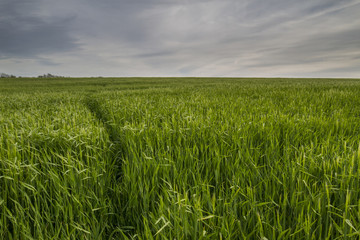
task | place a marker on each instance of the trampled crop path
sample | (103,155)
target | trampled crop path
(114,136)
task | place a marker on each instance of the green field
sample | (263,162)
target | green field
(179,158)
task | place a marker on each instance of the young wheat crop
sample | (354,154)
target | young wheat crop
(146,158)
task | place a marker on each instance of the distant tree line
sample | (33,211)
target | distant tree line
(48,75)
(4,75)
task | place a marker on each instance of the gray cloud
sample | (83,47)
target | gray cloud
(26,33)
(181,38)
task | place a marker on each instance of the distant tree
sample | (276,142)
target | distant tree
(4,75)
(49,75)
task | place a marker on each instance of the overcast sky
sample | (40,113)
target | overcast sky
(216,38)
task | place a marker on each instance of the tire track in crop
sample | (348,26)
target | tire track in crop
(114,165)
(95,108)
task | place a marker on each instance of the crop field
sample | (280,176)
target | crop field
(179,158)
